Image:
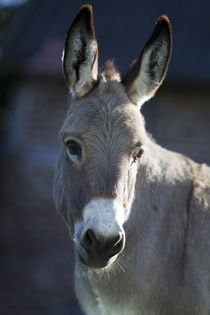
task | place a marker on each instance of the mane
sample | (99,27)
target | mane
(110,72)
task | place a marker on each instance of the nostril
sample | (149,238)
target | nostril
(88,239)
(118,246)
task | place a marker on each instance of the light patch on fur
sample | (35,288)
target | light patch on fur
(105,307)
(138,90)
(110,73)
(105,216)
(114,77)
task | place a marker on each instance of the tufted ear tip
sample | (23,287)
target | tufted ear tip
(162,29)
(164,24)
(86,7)
(163,18)
(86,14)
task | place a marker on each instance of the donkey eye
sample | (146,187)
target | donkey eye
(74,149)
(137,155)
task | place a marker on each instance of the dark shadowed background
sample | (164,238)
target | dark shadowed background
(36,257)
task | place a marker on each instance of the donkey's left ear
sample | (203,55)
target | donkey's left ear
(80,56)
(147,73)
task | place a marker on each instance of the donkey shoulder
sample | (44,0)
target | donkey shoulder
(201,189)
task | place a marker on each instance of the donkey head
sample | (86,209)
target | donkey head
(103,137)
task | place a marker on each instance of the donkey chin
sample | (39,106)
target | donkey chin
(100,236)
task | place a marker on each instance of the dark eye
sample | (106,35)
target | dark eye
(74,149)
(137,155)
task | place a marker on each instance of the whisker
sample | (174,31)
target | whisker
(107,272)
(120,266)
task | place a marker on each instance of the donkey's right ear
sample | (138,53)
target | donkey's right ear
(80,56)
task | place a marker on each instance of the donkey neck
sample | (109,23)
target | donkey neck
(163,185)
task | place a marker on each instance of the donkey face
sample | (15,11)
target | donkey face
(103,138)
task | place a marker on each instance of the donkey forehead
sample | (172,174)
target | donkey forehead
(107,109)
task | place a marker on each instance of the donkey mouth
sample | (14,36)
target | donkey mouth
(97,262)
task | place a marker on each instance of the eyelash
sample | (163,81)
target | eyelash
(137,156)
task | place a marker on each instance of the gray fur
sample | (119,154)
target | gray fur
(165,265)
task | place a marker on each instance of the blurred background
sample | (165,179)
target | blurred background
(36,257)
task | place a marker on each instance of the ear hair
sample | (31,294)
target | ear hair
(80,56)
(147,73)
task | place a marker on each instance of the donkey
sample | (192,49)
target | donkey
(138,214)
